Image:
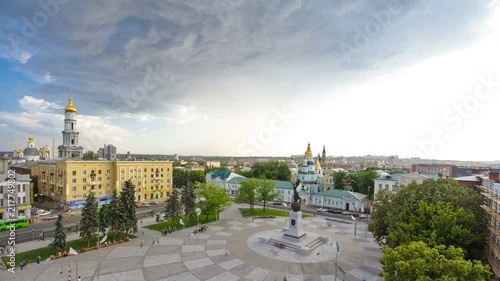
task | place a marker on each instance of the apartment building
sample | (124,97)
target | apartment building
(68,182)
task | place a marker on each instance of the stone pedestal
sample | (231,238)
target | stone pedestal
(294,231)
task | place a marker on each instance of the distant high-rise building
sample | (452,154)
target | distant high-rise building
(108,152)
(323,157)
(70,147)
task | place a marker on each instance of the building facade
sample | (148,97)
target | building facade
(70,147)
(340,199)
(392,182)
(68,182)
(21,195)
(490,190)
(108,152)
(441,170)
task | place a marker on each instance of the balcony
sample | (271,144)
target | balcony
(92,182)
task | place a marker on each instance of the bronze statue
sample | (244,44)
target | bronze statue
(296,197)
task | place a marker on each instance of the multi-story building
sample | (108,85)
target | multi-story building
(340,199)
(108,152)
(442,170)
(68,182)
(490,189)
(70,147)
(20,195)
(391,182)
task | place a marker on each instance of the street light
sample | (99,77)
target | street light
(287,212)
(335,248)
(198,212)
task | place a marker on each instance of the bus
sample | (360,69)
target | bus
(19,222)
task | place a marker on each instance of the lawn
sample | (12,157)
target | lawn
(162,225)
(46,252)
(269,212)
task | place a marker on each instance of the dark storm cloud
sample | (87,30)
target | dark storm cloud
(138,56)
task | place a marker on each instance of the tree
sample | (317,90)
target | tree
(127,207)
(59,241)
(390,209)
(196,176)
(115,216)
(438,224)
(417,261)
(174,206)
(366,181)
(179,178)
(247,193)
(266,192)
(103,215)
(272,170)
(89,155)
(89,220)
(212,199)
(188,200)
(339,179)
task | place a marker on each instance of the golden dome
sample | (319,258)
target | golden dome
(70,107)
(318,166)
(308,151)
(15,150)
(30,139)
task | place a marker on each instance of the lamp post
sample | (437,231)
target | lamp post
(198,212)
(335,248)
(287,212)
(97,242)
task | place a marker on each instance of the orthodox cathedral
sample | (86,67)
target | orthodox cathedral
(70,147)
(310,173)
(30,153)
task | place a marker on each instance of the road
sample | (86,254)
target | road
(27,234)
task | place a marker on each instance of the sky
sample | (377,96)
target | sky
(254,78)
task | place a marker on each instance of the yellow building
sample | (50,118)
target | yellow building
(68,182)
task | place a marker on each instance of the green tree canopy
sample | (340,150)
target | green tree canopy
(188,200)
(89,155)
(438,224)
(212,199)
(174,206)
(389,209)
(266,192)
(339,179)
(59,241)
(418,262)
(247,193)
(179,178)
(272,170)
(89,220)
(115,216)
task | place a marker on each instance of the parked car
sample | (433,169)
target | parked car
(144,205)
(335,211)
(154,202)
(275,203)
(45,213)
(322,210)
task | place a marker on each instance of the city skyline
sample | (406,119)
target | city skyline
(254,78)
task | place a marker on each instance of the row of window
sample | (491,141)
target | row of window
(20,188)
(20,200)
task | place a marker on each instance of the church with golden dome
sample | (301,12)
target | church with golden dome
(30,153)
(70,147)
(310,174)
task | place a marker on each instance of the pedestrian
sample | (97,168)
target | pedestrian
(69,268)
(158,241)
(142,232)
(284,278)
(226,252)
(61,270)
(79,278)
(22,265)
(38,259)
(142,243)
(69,277)
(153,241)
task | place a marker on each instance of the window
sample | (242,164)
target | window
(108,178)
(107,171)
(100,186)
(84,180)
(162,169)
(122,171)
(74,173)
(151,170)
(168,169)
(1,202)
(84,195)
(107,185)
(84,187)
(99,172)
(73,197)
(73,188)
(84,172)
(99,194)
(73,180)
(99,179)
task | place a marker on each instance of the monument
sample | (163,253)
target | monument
(294,231)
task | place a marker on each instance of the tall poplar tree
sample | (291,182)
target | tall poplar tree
(174,206)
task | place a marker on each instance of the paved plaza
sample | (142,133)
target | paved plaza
(229,250)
